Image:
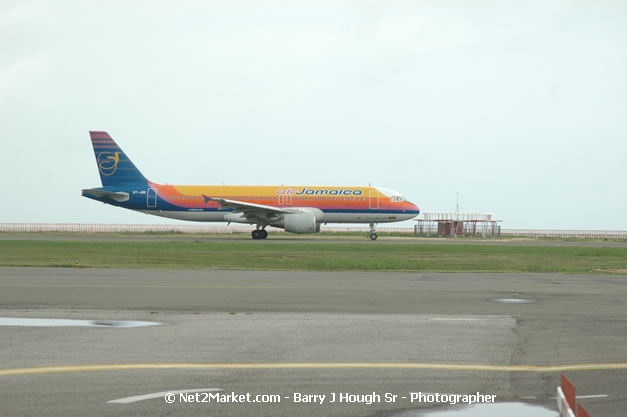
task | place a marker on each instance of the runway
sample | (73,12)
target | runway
(288,333)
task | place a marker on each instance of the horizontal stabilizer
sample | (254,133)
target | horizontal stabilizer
(118,196)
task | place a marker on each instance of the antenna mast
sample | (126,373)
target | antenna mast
(457,206)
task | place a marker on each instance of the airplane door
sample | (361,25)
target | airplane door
(285,199)
(373,199)
(151,198)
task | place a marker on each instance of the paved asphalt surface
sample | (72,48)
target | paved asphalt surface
(290,333)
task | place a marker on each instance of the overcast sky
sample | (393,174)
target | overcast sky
(520,106)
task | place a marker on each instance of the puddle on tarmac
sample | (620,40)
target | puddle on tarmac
(486,410)
(23,322)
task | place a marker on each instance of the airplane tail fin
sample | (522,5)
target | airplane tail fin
(114,166)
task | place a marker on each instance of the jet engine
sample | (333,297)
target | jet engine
(300,223)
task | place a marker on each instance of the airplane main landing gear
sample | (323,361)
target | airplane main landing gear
(259,234)
(373,232)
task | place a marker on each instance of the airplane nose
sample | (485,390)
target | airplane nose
(412,208)
(415,208)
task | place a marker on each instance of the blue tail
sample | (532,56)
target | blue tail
(113,165)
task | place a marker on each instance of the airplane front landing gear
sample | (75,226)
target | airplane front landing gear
(373,234)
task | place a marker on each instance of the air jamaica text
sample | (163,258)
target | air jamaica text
(312,191)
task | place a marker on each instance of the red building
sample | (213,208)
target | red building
(457,224)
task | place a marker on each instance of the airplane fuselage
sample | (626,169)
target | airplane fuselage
(330,204)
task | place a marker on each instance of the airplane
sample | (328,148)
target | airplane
(297,209)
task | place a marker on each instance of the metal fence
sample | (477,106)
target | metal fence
(485,231)
(199,228)
(121,228)
(588,234)
(169,228)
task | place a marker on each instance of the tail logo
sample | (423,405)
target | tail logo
(108,162)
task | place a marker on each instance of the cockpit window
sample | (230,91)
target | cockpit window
(397,199)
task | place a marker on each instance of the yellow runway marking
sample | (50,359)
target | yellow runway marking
(314,365)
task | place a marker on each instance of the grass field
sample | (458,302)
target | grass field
(311,256)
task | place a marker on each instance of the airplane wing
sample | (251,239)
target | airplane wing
(253,212)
